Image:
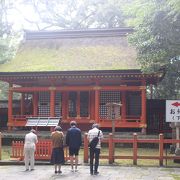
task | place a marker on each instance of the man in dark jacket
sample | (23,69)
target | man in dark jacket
(74,141)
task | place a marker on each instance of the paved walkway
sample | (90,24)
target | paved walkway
(46,172)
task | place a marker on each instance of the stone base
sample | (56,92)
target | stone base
(172,149)
(177,153)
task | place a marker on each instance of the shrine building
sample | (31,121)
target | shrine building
(73,75)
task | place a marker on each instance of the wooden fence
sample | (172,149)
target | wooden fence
(43,150)
(134,141)
(44,147)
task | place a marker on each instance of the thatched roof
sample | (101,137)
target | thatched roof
(73,51)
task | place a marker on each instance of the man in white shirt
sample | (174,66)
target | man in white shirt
(94,153)
(29,149)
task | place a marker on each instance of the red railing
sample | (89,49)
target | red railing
(111,146)
(43,150)
(44,147)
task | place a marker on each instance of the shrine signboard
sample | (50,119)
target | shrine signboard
(172,110)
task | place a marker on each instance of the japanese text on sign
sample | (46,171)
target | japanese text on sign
(172,110)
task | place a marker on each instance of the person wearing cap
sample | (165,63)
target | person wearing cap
(29,149)
(94,153)
(57,156)
(74,141)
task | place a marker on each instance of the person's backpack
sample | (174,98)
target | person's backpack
(94,142)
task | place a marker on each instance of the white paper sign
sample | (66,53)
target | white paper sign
(172,110)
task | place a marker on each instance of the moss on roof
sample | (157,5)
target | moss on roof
(98,53)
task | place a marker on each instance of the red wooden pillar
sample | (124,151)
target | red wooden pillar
(123,107)
(111,148)
(134,149)
(35,104)
(64,105)
(97,106)
(92,102)
(52,102)
(161,139)
(22,104)
(10,108)
(85,148)
(143,114)
(78,105)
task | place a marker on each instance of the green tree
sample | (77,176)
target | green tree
(73,14)
(8,40)
(156,37)
(175,4)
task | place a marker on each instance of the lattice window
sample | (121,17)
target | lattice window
(84,104)
(28,104)
(133,103)
(44,104)
(72,109)
(58,104)
(108,97)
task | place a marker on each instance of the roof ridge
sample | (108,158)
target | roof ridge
(78,33)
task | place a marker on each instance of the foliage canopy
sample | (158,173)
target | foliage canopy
(156,38)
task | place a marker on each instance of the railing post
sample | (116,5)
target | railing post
(0,144)
(22,150)
(85,148)
(111,149)
(135,149)
(161,143)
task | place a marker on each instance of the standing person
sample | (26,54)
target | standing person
(74,141)
(95,152)
(57,156)
(29,149)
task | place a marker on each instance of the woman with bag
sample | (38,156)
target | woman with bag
(57,157)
